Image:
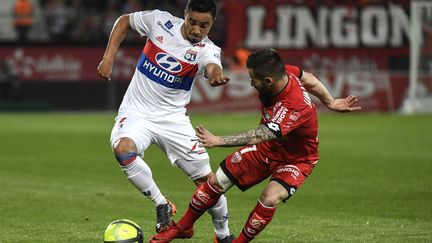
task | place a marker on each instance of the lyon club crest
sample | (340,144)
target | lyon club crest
(190,55)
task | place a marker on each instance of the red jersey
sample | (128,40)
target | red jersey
(292,116)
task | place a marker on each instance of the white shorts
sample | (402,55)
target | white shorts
(174,135)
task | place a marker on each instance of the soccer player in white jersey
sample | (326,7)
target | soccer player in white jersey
(153,110)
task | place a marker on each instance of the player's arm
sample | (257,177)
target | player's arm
(118,33)
(316,88)
(215,75)
(255,136)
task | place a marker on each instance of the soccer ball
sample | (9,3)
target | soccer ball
(123,230)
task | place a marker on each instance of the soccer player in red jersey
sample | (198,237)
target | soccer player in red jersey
(284,147)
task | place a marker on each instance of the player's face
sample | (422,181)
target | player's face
(259,84)
(263,87)
(196,25)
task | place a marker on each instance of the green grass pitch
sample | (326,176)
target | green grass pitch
(60,182)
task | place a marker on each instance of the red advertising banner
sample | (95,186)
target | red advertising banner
(32,64)
(377,89)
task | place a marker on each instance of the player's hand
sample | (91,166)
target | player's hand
(206,138)
(215,75)
(219,80)
(105,69)
(344,105)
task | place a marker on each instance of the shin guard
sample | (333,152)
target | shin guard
(203,198)
(258,219)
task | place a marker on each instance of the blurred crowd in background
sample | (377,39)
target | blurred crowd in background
(80,21)
(90,21)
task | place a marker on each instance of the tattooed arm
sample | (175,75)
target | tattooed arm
(209,140)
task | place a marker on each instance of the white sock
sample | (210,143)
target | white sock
(140,175)
(219,214)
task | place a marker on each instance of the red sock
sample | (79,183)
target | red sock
(203,198)
(258,219)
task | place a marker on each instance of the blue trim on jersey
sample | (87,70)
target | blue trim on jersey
(159,75)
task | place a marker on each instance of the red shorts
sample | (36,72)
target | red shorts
(248,167)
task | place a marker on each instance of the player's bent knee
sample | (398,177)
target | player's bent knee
(274,193)
(223,180)
(269,200)
(126,158)
(125,151)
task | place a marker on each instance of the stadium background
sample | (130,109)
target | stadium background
(359,47)
(60,182)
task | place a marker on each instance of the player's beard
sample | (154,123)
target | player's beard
(266,98)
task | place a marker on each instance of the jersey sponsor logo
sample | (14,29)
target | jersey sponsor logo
(280,115)
(165,28)
(168,62)
(257,222)
(236,158)
(190,55)
(294,115)
(196,149)
(168,24)
(292,191)
(165,69)
(306,96)
(202,45)
(290,169)
(275,127)
(194,146)
(277,106)
(159,38)
(155,73)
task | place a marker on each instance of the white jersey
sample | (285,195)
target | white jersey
(168,66)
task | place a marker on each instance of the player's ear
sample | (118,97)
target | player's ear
(269,80)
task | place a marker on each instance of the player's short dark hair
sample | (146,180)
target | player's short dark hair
(202,6)
(266,63)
